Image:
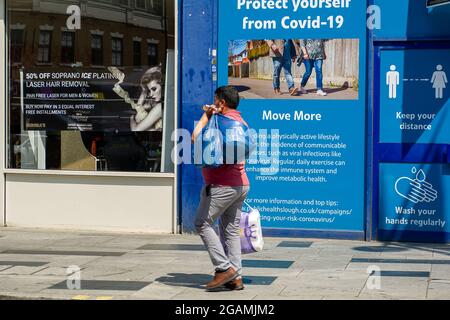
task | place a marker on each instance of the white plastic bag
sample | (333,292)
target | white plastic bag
(251,231)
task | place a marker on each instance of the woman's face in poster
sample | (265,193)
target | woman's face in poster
(154,91)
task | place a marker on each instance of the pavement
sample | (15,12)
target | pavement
(71,265)
(262,89)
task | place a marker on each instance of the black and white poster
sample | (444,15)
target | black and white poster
(102,100)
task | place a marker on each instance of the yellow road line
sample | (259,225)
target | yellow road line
(80,297)
(104,298)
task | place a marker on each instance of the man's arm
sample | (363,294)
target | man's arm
(203,122)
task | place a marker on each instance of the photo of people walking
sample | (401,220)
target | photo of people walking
(322,69)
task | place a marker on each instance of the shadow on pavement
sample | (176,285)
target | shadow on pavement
(242,88)
(185,280)
(442,249)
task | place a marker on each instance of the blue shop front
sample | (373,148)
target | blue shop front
(362,150)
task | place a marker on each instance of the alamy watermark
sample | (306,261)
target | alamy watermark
(374,280)
(235,145)
(73,278)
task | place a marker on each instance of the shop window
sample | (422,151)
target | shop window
(152,54)
(67,47)
(137,53)
(16,45)
(81,113)
(44,50)
(117,51)
(96,50)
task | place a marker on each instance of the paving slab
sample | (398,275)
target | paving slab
(389,267)
(105,285)
(295,244)
(268,264)
(439,290)
(65,253)
(22,263)
(24,285)
(157,291)
(279,273)
(400,288)
(440,272)
(21,270)
(316,268)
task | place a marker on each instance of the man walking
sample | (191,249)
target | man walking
(282,52)
(223,195)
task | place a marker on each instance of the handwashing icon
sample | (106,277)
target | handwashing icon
(417,190)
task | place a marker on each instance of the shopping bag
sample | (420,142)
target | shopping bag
(251,231)
(239,141)
(223,141)
(208,148)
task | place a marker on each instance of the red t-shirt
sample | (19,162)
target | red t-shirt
(229,175)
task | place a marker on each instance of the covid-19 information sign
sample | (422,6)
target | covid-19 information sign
(414,101)
(299,66)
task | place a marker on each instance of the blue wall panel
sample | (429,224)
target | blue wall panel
(406,27)
(412,20)
(197,88)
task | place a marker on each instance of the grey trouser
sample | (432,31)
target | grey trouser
(224,203)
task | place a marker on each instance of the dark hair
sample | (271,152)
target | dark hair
(230,95)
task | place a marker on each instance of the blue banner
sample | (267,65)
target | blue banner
(415,96)
(308,170)
(415,198)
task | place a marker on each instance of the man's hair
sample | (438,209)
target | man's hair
(230,95)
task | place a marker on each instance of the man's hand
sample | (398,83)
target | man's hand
(212,109)
(209,111)
(306,56)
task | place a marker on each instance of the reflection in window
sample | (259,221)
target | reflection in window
(16,46)
(45,40)
(67,47)
(137,53)
(97,50)
(88,124)
(152,54)
(141,4)
(117,45)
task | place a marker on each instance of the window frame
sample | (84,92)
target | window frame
(16,45)
(139,7)
(97,53)
(114,52)
(137,54)
(47,46)
(149,56)
(65,47)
